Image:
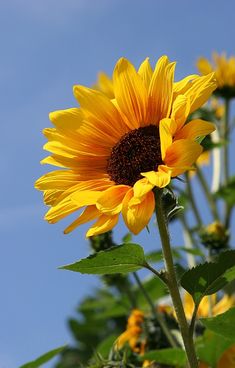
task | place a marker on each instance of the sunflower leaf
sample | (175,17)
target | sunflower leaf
(223,324)
(209,277)
(43,358)
(120,259)
(171,356)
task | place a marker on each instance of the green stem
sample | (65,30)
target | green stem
(208,194)
(192,201)
(193,320)
(155,312)
(225,137)
(172,282)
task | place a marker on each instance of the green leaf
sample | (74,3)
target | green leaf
(120,259)
(171,356)
(194,251)
(106,345)
(210,347)
(223,324)
(227,192)
(43,358)
(157,256)
(209,277)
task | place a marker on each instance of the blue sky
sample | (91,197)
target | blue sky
(48,46)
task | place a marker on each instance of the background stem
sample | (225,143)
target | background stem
(155,312)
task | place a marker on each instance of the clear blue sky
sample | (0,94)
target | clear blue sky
(48,46)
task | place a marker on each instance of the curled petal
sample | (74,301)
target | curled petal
(137,215)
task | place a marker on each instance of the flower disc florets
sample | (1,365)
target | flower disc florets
(137,151)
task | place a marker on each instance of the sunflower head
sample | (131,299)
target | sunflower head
(225,73)
(121,143)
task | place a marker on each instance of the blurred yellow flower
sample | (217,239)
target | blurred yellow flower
(207,302)
(113,152)
(225,71)
(133,332)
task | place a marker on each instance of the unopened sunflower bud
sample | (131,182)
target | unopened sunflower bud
(215,236)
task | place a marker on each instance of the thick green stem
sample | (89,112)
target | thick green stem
(192,201)
(208,194)
(155,312)
(172,282)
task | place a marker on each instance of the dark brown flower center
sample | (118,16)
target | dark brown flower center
(137,151)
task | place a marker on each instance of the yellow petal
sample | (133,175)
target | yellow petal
(104,224)
(69,119)
(89,214)
(137,216)
(141,187)
(158,178)
(101,110)
(110,201)
(165,135)
(160,90)
(130,93)
(86,197)
(61,210)
(200,90)
(180,111)
(184,84)
(181,155)
(58,179)
(146,72)
(105,85)
(194,129)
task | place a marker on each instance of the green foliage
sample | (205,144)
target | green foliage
(119,259)
(93,330)
(227,192)
(211,346)
(223,324)
(44,358)
(209,277)
(173,356)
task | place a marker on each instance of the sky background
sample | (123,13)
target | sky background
(48,46)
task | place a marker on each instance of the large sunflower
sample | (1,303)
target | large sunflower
(113,152)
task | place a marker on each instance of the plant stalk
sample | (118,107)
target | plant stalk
(172,282)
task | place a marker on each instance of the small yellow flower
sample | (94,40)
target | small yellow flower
(225,72)
(112,152)
(132,333)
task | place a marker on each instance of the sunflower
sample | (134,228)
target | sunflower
(225,72)
(112,152)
